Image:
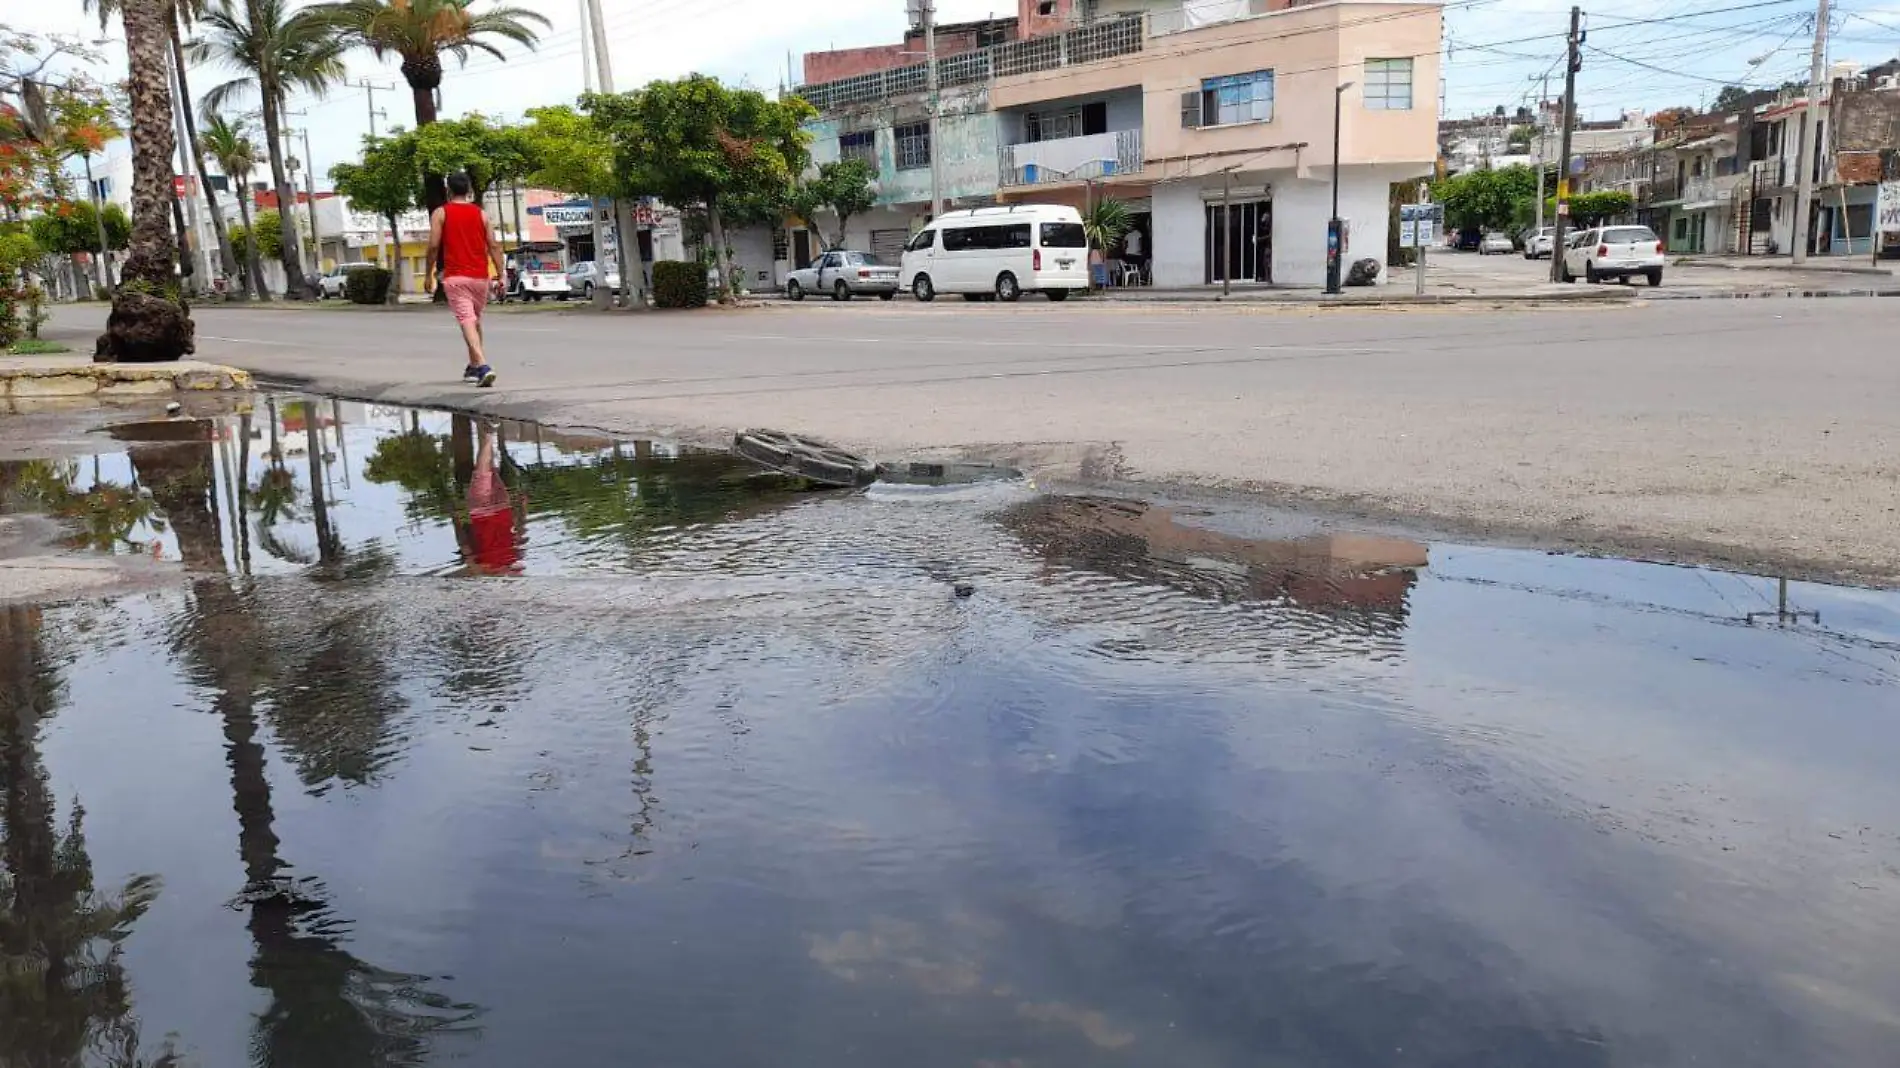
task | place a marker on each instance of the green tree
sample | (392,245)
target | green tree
(386,183)
(268,232)
(229,143)
(1730,98)
(1590,209)
(697,142)
(1487,199)
(486,152)
(275,50)
(843,188)
(570,151)
(421,32)
(73,226)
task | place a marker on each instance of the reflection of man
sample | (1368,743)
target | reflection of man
(492,543)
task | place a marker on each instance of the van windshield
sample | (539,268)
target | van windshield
(1063,235)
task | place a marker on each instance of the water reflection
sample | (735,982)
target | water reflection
(751,785)
(64,998)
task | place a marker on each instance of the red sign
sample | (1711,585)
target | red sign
(184,186)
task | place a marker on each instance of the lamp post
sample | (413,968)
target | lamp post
(1333,225)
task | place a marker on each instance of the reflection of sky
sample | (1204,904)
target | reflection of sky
(1572,814)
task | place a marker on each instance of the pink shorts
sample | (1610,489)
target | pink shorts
(467,297)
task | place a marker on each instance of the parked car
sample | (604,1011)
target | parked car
(1614,252)
(534,272)
(1537,243)
(999,253)
(1494,242)
(1467,240)
(585,277)
(843,274)
(330,286)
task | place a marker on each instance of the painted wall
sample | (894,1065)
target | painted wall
(1310,48)
(966,148)
(1301,207)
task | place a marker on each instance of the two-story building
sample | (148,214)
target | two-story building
(1213,120)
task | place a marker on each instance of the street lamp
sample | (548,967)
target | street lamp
(1333,225)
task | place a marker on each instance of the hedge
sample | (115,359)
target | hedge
(678,284)
(367,285)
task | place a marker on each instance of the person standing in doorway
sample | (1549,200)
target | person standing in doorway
(462,244)
(1133,252)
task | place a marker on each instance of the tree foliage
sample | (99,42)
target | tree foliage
(387,181)
(696,141)
(267,229)
(1729,98)
(843,188)
(1589,209)
(486,152)
(1487,199)
(73,226)
(571,152)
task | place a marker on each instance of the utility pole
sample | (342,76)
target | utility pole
(632,264)
(1810,142)
(99,219)
(199,253)
(310,198)
(928,8)
(1573,61)
(1418,239)
(587,52)
(1541,100)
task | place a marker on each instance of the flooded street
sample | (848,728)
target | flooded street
(487,744)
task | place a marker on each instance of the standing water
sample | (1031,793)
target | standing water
(497,746)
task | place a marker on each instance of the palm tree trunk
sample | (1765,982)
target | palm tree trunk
(226,258)
(149,320)
(290,254)
(435,188)
(395,260)
(717,225)
(258,290)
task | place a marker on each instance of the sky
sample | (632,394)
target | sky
(1639,53)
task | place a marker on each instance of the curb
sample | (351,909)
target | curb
(67,379)
(1791,268)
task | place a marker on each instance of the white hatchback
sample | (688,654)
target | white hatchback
(1614,252)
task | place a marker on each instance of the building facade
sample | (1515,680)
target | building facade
(1212,119)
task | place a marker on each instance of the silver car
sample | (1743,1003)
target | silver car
(842,275)
(1495,243)
(584,277)
(331,286)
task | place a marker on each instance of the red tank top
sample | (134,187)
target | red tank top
(464,241)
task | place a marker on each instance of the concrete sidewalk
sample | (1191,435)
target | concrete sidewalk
(1856,265)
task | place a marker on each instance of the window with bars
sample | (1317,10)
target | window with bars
(1388,84)
(1234,99)
(861,146)
(1051,125)
(913,146)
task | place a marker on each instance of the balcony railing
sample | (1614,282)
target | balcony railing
(1084,44)
(1071,159)
(1708,189)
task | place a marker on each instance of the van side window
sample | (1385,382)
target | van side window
(957,240)
(924,239)
(1016,236)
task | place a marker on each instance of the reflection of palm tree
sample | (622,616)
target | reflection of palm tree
(327,1007)
(62,982)
(102,518)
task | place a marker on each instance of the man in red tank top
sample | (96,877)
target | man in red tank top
(463,243)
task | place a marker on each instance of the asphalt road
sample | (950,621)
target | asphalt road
(1754,433)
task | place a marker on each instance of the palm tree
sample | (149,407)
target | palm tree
(149,321)
(421,31)
(276,50)
(230,144)
(183,13)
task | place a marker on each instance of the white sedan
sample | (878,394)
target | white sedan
(1494,243)
(842,275)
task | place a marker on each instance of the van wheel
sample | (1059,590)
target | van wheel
(921,288)
(794,291)
(1056,294)
(1006,288)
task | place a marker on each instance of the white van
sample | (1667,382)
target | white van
(1002,252)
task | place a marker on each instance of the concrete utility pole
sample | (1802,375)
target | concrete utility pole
(1810,139)
(928,8)
(201,278)
(99,220)
(632,266)
(1572,63)
(310,201)
(1540,153)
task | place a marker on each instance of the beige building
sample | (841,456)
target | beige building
(1213,119)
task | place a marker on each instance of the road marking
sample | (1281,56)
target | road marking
(253,341)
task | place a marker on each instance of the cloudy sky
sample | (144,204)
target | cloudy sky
(1640,53)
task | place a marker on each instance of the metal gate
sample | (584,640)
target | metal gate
(888,245)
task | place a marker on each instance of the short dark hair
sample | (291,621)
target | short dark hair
(459,185)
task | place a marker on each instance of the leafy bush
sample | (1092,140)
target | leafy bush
(267,230)
(678,284)
(367,285)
